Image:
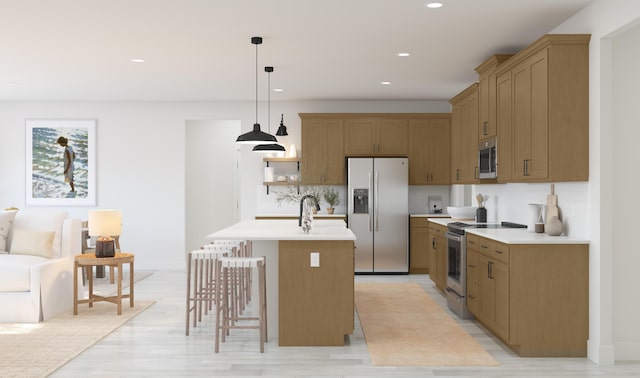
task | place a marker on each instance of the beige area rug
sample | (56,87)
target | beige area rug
(39,349)
(403,326)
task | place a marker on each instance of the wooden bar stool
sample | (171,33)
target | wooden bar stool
(227,269)
(201,264)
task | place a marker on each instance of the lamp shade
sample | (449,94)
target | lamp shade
(256,136)
(267,148)
(105,222)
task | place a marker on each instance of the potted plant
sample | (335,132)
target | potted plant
(332,198)
(293,194)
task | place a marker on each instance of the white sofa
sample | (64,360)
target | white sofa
(37,247)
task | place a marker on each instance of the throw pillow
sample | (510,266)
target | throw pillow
(6,219)
(32,242)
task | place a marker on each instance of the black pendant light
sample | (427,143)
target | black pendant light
(271,147)
(282,130)
(256,136)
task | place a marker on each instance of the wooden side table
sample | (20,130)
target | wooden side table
(90,260)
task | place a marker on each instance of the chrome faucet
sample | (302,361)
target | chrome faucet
(315,200)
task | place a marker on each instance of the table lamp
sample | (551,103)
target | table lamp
(105,224)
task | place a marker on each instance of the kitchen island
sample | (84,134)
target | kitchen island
(309,278)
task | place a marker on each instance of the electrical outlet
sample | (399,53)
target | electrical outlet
(315,259)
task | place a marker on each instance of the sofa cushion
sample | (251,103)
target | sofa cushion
(15,272)
(32,242)
(6,219)
(40,220)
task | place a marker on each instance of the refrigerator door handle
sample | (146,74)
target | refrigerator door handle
(370,212)
(376,201)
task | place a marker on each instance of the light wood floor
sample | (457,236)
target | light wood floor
(154,344)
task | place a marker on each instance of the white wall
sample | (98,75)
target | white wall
(606,20)
(141,160)
(211,199)
(626,134)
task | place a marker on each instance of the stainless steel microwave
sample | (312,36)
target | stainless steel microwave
(488,158)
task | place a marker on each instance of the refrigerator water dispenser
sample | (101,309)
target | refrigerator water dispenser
(361,201)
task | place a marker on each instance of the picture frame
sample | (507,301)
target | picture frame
(57,175)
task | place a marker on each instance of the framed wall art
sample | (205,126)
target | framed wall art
(61,162)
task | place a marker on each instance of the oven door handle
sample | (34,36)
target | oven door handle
(452,236)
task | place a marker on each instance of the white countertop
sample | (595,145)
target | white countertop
(430,215)
(514,235)
(285,229)
(323,215)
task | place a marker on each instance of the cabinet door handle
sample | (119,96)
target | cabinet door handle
(526,167)
(470,242)
(484,127)
(500,252)
(490,270)
(433,243)
(471,296)
(431,177)
(475,172)
(471,266)
(458,174)
(483,246)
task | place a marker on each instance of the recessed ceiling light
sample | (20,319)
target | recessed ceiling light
(137,60)
(433,5)
(278,90)
(403,54)
(385,82)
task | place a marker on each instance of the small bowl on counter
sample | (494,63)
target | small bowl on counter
(462,212)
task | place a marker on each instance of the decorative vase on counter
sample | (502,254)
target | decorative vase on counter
(481,215)
(535,210)
(554,226)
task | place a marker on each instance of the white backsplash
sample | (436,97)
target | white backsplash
(509,202)
(418,200)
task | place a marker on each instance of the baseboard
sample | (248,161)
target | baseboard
(627,351)
(601,355)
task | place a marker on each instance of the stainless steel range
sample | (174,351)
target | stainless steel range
(457,263)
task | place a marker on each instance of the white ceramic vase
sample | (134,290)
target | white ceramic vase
(535,210)
(554,226)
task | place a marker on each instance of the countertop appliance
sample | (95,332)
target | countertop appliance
(488,158)
(377,212)
(457,261)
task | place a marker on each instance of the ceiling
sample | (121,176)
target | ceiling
(200,50)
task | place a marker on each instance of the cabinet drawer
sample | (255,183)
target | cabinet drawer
(437,228)
(472,266)
(419,222)
(490,248)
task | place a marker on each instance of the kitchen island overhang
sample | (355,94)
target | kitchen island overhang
(309,297)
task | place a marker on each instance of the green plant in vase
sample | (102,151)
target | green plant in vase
(332,198)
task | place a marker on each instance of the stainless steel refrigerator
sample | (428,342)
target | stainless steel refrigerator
(377,213)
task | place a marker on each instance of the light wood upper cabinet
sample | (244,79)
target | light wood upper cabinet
(376,136)
(429,150)
(504,118)
(322,150)
(464,136)
(546,111)
(487,121)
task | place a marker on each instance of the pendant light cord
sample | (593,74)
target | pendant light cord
(256,83)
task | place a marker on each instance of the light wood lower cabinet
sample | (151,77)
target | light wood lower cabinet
(438,252)
(534,297)
(418,245)
(316,304)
